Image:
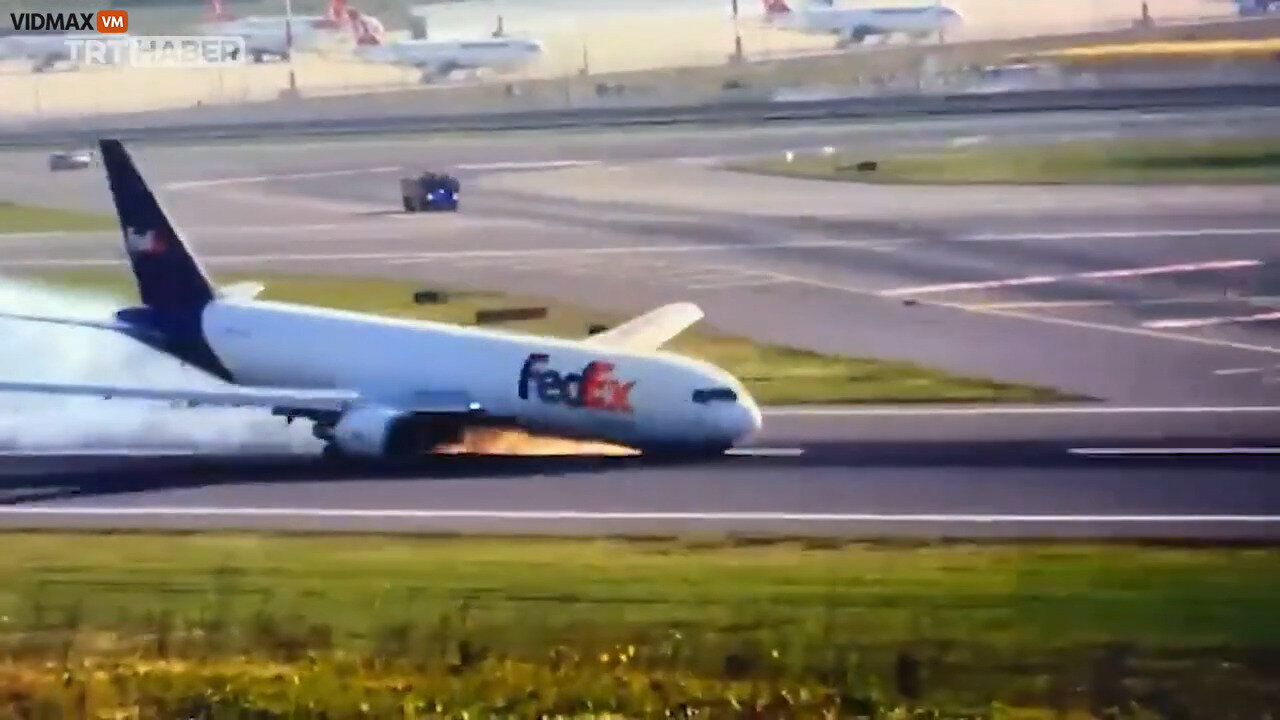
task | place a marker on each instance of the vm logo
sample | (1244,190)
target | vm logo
(113,21)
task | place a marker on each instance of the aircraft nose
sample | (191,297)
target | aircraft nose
(741,420)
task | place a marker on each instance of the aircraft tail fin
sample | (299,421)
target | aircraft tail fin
(651,330)
(170,279)
(174,289)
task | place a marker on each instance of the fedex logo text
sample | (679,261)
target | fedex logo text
(159,51)
(594,387)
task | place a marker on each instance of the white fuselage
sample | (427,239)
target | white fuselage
(267,34)
(864,22)
(45,50)
(493,53)
(389,361)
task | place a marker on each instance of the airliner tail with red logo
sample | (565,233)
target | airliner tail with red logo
(277,36)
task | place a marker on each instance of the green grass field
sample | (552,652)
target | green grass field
(637,626)
(774,374)
(26,218)
(1120,162)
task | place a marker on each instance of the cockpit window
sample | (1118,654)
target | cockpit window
(712,394)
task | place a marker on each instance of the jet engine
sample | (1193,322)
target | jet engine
(382,432)
(364,431)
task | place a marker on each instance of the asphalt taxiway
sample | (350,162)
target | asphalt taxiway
(1163,298)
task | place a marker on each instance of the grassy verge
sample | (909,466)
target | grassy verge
(638,627)
(26,218)
(1124,162)
(774,374)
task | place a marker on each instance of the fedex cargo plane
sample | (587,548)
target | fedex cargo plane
(854,25)
(377,387)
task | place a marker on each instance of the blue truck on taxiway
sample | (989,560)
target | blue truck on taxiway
(430,191)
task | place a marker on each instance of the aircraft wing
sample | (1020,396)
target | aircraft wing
(651,330)
(427,402)
(231,396)
(242,291)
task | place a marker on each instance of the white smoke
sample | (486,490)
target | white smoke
(40,352)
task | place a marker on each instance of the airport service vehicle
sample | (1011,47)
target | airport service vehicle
(854,25)
(437,59)
(377,387)
(70,160)
(430,191)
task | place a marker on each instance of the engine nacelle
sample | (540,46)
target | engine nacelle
(368,431)
(376,431)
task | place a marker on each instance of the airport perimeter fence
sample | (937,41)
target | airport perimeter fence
(346,116)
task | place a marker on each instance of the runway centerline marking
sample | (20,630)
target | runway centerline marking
(215,182)
(1091,275)
(1147,452)
(1240,371)
(1116,234)
(1210,321)
(529,165)
(561,515)
(1045,319)
(1038,410)
(414,257)
(765,452)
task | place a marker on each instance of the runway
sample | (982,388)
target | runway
(1162,304)
(974,472)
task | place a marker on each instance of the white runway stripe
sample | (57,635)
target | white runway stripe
(1209,321)
(562,515)
(1119,234)
(1036,410)
(1155,451)
(532,165)
(188,184)
(1093,275)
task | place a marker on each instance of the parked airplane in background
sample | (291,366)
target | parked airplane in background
(276,35)
(48,50)
(1253,8)
(853,25)
(377,387)
(437,59)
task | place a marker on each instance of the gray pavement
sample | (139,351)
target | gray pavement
(969,473)
(1161,302)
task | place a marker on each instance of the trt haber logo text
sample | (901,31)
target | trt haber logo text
(159,51)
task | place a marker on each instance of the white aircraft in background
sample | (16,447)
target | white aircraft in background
(377,387)
(437,59)
(276,35)
(1254,8)
(48,50)
(854,25)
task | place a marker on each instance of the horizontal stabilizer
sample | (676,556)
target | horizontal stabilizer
(231,396)
(114,325)
(651,330)
(242,291)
